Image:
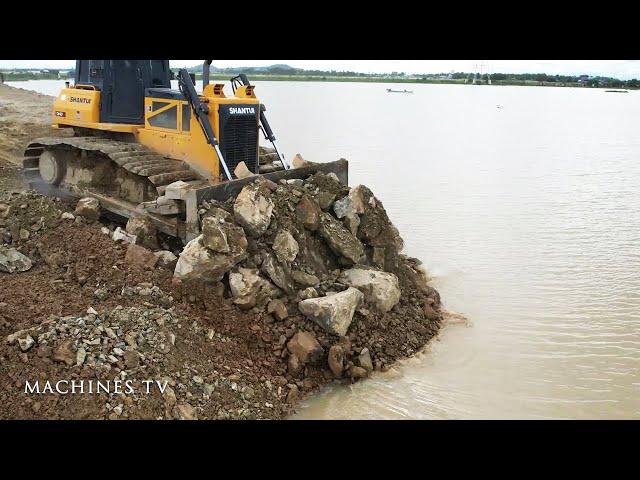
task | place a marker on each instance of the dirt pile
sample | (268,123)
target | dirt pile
(24,115)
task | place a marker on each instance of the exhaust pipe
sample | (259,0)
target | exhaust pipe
(205,73)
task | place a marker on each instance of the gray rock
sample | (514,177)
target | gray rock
(214,236)
(340,240)
(334,312)
(120,235)
(307,293)
(253,209)
(26,343)
(68,216)
(356,195)
(88,208)
(166,259)
(144,230)
(285,247)
(304,279)
(343,207)
(11,261)
(197,262)
(381,289)
(249,288)
(101,294)
(81,355)
(12,338)
(277,273)
(352,222)
(333,176)
(325,199)
(278,309)
(364,359)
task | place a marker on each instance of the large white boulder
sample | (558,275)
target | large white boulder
(252,209)
(197,262)
(334,312)
(381,289)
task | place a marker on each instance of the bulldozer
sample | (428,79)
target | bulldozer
(142,148)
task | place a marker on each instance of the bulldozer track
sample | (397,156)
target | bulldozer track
(132,157)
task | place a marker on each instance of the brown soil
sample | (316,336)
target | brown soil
(241,353)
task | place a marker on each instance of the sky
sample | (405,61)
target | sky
(623,69)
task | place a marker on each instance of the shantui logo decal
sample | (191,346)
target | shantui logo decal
(242,110)
(79,100)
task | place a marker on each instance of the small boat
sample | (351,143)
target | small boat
(399,91)
(617,91)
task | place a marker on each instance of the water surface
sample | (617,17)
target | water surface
(523,204)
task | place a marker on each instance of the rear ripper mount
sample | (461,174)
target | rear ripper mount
(128,179)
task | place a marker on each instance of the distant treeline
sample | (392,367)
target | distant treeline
(541,78)
(283,72)
(286,72)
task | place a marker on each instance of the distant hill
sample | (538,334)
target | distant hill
(278,69)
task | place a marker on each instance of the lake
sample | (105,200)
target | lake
(522,202)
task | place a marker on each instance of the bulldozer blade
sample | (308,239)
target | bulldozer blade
(224,191)
(231,189)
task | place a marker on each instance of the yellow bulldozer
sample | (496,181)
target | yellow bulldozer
(141,147)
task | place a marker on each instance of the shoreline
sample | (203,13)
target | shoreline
(337,79)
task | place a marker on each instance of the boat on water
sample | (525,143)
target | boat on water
(389,90)
(617,91)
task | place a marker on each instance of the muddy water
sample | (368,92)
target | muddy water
(523,204)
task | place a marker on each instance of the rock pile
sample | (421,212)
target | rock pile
(312,247)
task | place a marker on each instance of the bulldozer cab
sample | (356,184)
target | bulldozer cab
(122,84)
